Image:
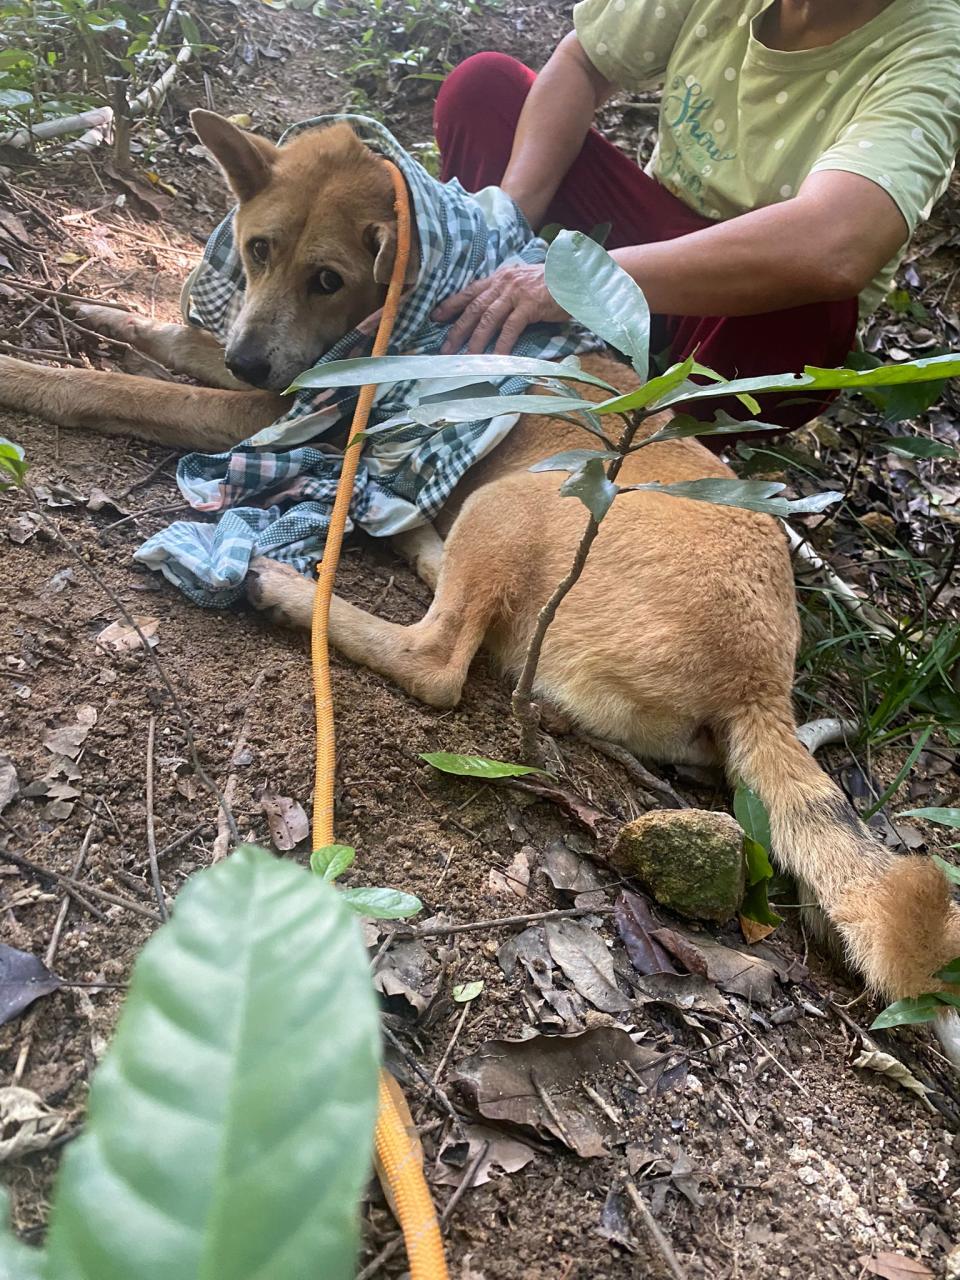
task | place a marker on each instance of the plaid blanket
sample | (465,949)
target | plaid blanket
(272,494)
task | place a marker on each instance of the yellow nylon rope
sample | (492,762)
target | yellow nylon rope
(399,1159)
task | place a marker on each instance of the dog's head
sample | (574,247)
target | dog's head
(317,233)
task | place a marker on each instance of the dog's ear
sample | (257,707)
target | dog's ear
(245,159)
(381,240)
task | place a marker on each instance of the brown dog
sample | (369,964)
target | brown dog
(679,640)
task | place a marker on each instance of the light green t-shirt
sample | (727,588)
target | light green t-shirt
(742,125)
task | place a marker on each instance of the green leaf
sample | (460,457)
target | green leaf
(15,98)
(466,991)
(381,904)
(332,860)
(907,1012)
(373,370)
(750,812)
(757,860)
(918,447)
(587,282)
(754,495)
(682,426)
(477,766)
(191,32)
(17,1261)
(945,817)
(814,378)
(949,870)
(951,971)
(573,459)
(230,1125)
(13,467)
(755,905)
(591,486)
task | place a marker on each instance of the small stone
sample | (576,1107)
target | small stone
(690,860)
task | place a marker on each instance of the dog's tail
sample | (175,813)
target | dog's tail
(894,914)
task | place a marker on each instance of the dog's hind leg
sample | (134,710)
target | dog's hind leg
(181,348)
(422,548)
(169,413)
(429,659)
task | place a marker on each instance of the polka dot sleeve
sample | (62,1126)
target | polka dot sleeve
(630,41)
(905,133)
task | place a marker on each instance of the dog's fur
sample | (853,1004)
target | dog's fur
(679,640)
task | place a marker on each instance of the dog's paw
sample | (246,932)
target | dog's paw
(110,321)
(280,592)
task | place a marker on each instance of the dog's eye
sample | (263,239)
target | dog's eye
(325,281)
(259,250)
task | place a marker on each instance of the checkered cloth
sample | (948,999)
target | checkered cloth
(273,494)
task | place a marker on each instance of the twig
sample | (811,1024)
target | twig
(185,721)
(635,770)
(441,1099)
(78,890)
(222,843)
(453,1040)
(502,922)
(525,709)
(655,1232)
(180,840)
(550,1108)
(773,1058)
(465,1183)
(23,353)
(30,286)
(162,509)
(51,952)
(151,474)
(823,733)
(151,830)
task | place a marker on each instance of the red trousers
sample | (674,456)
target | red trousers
(475,120)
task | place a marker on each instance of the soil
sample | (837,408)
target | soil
(804,1163)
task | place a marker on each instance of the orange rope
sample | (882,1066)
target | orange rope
(396,1152)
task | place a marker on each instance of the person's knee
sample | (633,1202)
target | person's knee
(481,81)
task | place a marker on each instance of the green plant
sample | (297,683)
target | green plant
(13,465)
(589,284)
(378,904)
(230,1124)
(931,1004)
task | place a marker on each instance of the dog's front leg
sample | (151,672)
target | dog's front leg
(119,404)
(181,348)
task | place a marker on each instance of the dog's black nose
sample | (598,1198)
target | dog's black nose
(249,366)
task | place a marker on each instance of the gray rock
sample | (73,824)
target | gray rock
(690,860)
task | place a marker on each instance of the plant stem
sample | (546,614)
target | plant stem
(526,711)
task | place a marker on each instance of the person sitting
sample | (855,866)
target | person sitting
(800,144)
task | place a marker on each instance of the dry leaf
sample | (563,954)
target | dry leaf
(894,1266)
(636,926)
(26,1123)
(120,638)
(887,1065)
(503,1155)
(23,979)
(753,930)
(582,955)
(566,870)
(22,528)
(9,783)
(514,881)
(411,972)
(286,819)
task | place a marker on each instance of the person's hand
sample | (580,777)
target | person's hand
(505,303)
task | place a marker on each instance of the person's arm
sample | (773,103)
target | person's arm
(825,244)
(553,124)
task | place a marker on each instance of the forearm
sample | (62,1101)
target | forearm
(786,255)
(552,126)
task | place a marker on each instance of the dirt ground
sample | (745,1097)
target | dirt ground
(769,1156)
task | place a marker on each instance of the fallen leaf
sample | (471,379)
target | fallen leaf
(464,992)
(22,528)
(286,819)
(100,500)
(26,1123)
(121,638)
(23,979)
(530,949)
(9,783)
(153,205)
(683,948)
(537,1084)
(636,925)
(567,871)
(567,801)
(894,1266)
(615,1220)
(753,930)
(58,495)
(504,1155)
(69,738)
(582,955)
(515,879)
(887,1065)
(688,992)
(685,1178)
(410,972)
(740,973)
(60,580)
